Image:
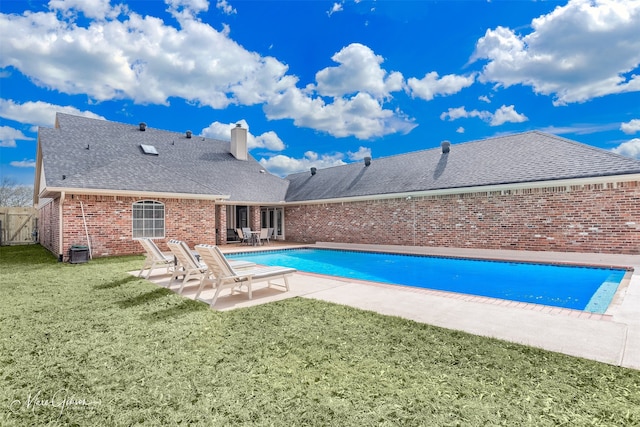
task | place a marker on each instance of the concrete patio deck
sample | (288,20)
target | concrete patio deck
(612,338)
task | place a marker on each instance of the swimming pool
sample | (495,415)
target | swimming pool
(581,288)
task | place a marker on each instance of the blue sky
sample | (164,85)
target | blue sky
(322,83)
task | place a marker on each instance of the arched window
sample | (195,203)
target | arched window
(148,219)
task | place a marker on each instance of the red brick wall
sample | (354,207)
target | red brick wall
(587,218)
(109,224)
(221,218)
(254,217)
(48,226)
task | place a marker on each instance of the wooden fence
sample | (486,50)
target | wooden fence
(18,226)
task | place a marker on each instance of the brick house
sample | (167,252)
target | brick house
(103,184)
(106,183)
(528,191)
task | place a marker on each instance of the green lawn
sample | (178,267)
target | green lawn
(89,344)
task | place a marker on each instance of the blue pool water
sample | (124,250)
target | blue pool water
(581,288)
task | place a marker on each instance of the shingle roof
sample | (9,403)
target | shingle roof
(205,166)
(525,157)
(115,161)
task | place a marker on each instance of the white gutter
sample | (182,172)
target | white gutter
(612,179)
(133,193)
(241,203)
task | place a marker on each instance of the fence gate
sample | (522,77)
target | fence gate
(18,226)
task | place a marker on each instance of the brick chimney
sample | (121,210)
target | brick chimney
(239,142)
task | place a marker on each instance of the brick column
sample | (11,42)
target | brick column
(221,224)
(254,217)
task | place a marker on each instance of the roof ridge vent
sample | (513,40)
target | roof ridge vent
(367,161)
(188,133)
(446,147)
(314,171)
(142,126)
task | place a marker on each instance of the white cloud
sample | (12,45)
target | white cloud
(360,154)
(579,129)
(485,98)
(225,7)
(502,115)
(630,148)
(38,113)
(268,140)
(143,59)
(26,163)
(462,113)
(361,116)
(284,165)
(580,51)
(506,114)
(138,58)
(359,71)
(460,130)
(356,88)
(9,136)
(187,8)
(431,85)
(95,9)
(337,7)
(630,127)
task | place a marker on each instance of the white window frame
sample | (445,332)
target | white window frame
(151,223)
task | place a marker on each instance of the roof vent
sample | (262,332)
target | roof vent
(314,171)
(143,126)
(188,134)
(367,161)
(446,147)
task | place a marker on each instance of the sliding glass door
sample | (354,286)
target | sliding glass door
(237,217)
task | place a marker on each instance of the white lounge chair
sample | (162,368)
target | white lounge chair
(155,258)
(221,275)
(188,264)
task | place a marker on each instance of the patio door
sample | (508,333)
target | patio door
(237,217)
(273,218)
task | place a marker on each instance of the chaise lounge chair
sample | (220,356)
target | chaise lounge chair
(155,257)
(221,275)
(188,264)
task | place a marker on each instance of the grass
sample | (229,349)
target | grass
(89,344)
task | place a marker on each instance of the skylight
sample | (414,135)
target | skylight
(149,149)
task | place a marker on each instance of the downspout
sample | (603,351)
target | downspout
(60,227)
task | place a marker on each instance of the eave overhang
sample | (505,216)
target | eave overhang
(52,192)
